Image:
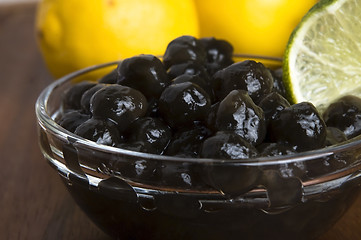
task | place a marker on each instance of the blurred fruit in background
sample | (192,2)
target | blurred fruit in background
(73,34)
(260,27)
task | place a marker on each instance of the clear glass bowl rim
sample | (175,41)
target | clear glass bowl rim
(46,121)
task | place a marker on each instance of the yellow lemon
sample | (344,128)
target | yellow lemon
(260,27)
(74,34)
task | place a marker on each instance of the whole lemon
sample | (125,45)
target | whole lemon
(260,27)
(73,34)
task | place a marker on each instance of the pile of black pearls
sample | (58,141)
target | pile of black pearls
(197,102)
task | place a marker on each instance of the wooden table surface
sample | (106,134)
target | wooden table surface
(33,202)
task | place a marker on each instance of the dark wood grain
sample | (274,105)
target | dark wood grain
(33,202)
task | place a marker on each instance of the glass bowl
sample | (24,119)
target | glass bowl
(133,195)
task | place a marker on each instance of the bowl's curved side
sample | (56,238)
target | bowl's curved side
(149,196)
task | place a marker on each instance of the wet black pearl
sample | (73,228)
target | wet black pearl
(87,95)
(188,68)
(272,105)
(334,136)
(72,119)
(187,142)
(184,49)
(278,85)
(219,54)
(183,103)
(237,112)
(144,73)
(248,75)
(227,145)
(196,79)
(152,131)
(345,114)
(119,104)
(100,131)
(301,126)
(73,96)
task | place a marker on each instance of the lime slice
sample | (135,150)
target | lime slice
(322,61)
